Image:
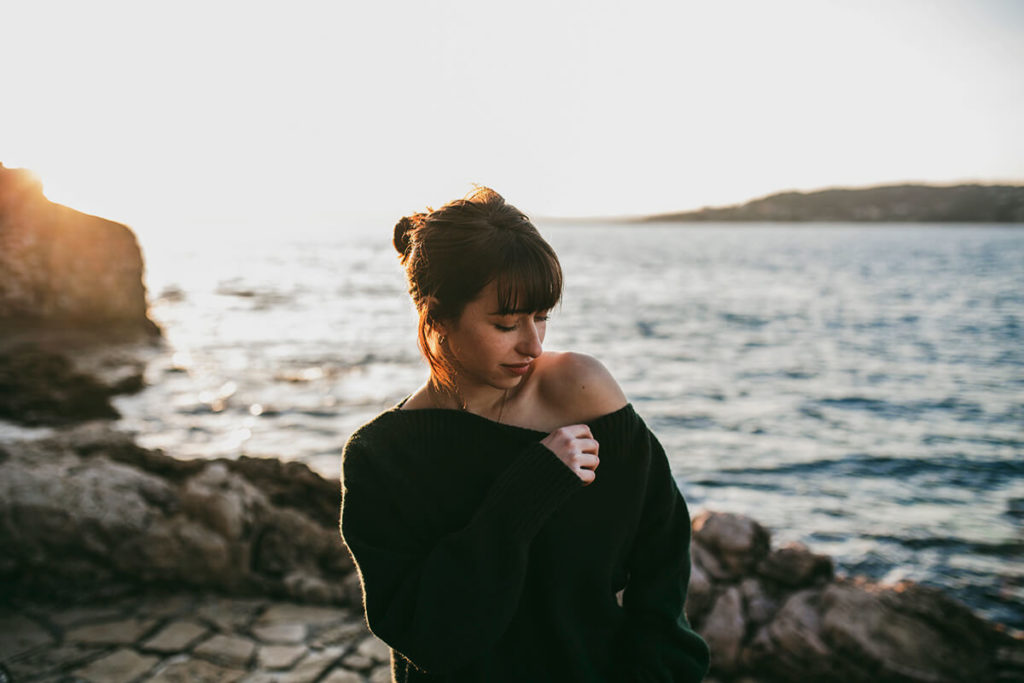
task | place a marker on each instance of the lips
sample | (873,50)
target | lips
(517,368)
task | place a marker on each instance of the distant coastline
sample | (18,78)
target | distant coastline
(968,203)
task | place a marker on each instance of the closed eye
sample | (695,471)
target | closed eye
(538,318)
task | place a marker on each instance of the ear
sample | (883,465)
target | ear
(435,321)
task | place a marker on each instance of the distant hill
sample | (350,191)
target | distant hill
(889,203)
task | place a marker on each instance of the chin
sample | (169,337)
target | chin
(510,382)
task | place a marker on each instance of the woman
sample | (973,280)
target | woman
(490,545)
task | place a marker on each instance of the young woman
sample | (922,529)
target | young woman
(490,544)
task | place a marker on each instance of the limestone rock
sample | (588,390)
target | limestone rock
(884,626)
(227,613)
(310,615)
(125,632)
(42,388)
(723,629)
(783,616)
(313,666)
(121,666)
(867,632)
(194,670)
(280,633)
(88,510)
(796,566)
(357,661)
(51,660)
(231,651)
(352,588)
(760,605)
(342,634)
(792,641)
(342,676)
(699,597)
(738,543)
(175,637)
(375,649)
(19,634)
(280,656)
(66,269)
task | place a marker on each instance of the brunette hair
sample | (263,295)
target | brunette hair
(452,253)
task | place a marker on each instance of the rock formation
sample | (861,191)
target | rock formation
(66,270)
(88,515)
(39,387)
(781,615)
(88,512)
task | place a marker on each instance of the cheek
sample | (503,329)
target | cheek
(475,344)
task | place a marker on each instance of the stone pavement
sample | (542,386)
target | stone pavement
(188,637)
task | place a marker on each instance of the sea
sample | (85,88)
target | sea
(858,388)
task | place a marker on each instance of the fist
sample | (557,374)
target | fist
(575,446)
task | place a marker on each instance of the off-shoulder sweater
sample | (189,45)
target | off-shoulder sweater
(484,558)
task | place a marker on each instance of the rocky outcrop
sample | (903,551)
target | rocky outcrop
(888,203)
(88,515)
(38,387)
(63,269)
(90,512)
(781,615)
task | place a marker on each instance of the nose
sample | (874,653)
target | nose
(530,340)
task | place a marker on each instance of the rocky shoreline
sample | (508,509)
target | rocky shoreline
(125,564)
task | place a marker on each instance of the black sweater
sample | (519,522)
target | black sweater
(484,558)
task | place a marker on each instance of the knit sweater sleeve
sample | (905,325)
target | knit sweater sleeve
(660,645)
(443,603)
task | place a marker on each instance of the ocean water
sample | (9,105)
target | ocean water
(859,388)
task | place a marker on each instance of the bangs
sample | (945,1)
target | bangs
(530,281)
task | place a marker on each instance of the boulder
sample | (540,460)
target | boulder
(699,596)
(782,615)
(38,387)
(738,543)
(760,603)
(89,512)
(724,630)
(867,632)
(795,566)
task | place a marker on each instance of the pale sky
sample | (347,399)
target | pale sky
(152,113)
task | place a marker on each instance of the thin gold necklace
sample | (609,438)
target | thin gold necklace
(501,410)
(457,395)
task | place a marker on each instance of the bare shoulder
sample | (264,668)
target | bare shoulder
(578,386)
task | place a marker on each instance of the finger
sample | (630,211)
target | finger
(586,476)
(578,431)
(588,461)
(588,445)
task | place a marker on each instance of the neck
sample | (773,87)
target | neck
(486,401)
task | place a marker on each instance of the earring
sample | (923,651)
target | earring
(442,339)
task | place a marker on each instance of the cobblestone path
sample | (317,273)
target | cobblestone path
(188,637)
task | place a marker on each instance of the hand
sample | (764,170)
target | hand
(576,447)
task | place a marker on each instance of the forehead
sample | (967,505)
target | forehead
(488,302)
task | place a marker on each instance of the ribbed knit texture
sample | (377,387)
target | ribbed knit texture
(483,558)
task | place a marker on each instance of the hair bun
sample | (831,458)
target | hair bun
(403,237)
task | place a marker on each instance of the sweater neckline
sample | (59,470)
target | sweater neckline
(397,408)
